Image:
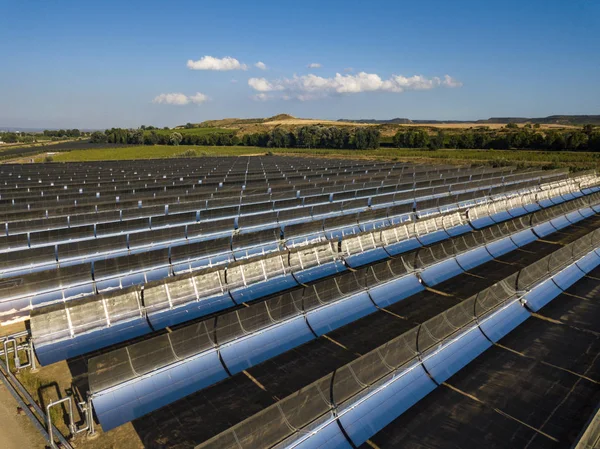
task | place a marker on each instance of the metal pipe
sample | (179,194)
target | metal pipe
(27,397)
(51,427)
(24,333)
(10,350)
(16,358)
(25,407)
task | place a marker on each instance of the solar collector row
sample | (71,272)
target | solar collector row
(163,215)
(202,212)
(296,369)
(92,231)
(547,407)
(310,187)
(119,246)
(253,319)
(237,200)
(281,384)
(276,273)
(66,277)
(207,179)
(100,203)
(365,395)
(205,167)
(95,170)
(294,200)
(203,201)
(153,181)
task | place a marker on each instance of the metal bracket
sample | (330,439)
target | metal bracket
(84,407)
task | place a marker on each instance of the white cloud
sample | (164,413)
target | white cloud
(314,65)
(174,98)
(198,98)
(261,97)
(211,63)
(260,65)
(451,82)
(180,99)
(348,69)
(262,85)
(308,87)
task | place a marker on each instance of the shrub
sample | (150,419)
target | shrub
(187,153)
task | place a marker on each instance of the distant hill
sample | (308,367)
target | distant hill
(243,121)
(393,121)
(552,119)
(388,128)
(280,117)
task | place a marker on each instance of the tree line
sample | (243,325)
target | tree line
(587,139)
(62,133)
(313,136)
(333,137)
(31,137)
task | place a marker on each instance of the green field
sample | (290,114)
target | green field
(576,160)
(152,152)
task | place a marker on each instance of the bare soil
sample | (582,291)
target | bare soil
(16,430)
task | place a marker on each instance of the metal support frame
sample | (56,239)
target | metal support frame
(51,427)
(11,346)
(20,393)
(85,409)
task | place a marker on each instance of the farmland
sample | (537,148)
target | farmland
(152,152)
(245,126)
(576,160)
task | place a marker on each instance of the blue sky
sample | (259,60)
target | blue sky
(114,63)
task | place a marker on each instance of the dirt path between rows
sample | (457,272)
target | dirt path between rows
(16,431)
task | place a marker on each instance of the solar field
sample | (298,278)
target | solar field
(281,302)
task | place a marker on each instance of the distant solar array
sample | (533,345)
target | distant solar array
(170,277)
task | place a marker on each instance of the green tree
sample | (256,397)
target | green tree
(481,140)
(555,140)
(98,137)
(466,140)
(366,138)
(412,138)
(588,128)
(577,140)
(136,137)
(338,137)
(175,138)
(279,138)
(439,141)
(150,138)
(308,137)
(594,141)
(537,141)
(10,138)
